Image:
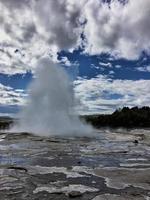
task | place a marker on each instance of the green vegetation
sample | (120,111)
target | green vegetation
(126,117)
(5,123)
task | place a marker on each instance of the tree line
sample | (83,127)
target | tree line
(5,122)
(124,117)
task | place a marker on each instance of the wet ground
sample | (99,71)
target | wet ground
(114,165)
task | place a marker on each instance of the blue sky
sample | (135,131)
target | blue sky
(103,46)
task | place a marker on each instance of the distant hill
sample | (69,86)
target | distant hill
(126,117)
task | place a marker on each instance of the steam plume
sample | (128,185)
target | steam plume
(50,110)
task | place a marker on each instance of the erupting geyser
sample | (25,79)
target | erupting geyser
(50,109)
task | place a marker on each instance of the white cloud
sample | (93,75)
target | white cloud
(9,96)
(102,94)
(143,69)
(37,28)
(31,29)
(65,61)
(96,95)
(105,64)
(95,66)
(117,28)
(59,22)
(18,32)
(111,72)
(118,66)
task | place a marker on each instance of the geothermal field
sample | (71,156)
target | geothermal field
(66,158)
(75,99)
(110,165)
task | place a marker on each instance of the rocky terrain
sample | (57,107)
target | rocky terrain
(111,165)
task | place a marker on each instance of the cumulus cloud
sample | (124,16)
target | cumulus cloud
(60,22)
(103,94)
(115,27)
(37,29)
(9,96)
(97,95)
(41,27)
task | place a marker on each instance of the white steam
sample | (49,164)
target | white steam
(50,110)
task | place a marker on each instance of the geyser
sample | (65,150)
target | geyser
(50,108)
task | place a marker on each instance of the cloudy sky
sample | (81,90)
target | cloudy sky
(103,44)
